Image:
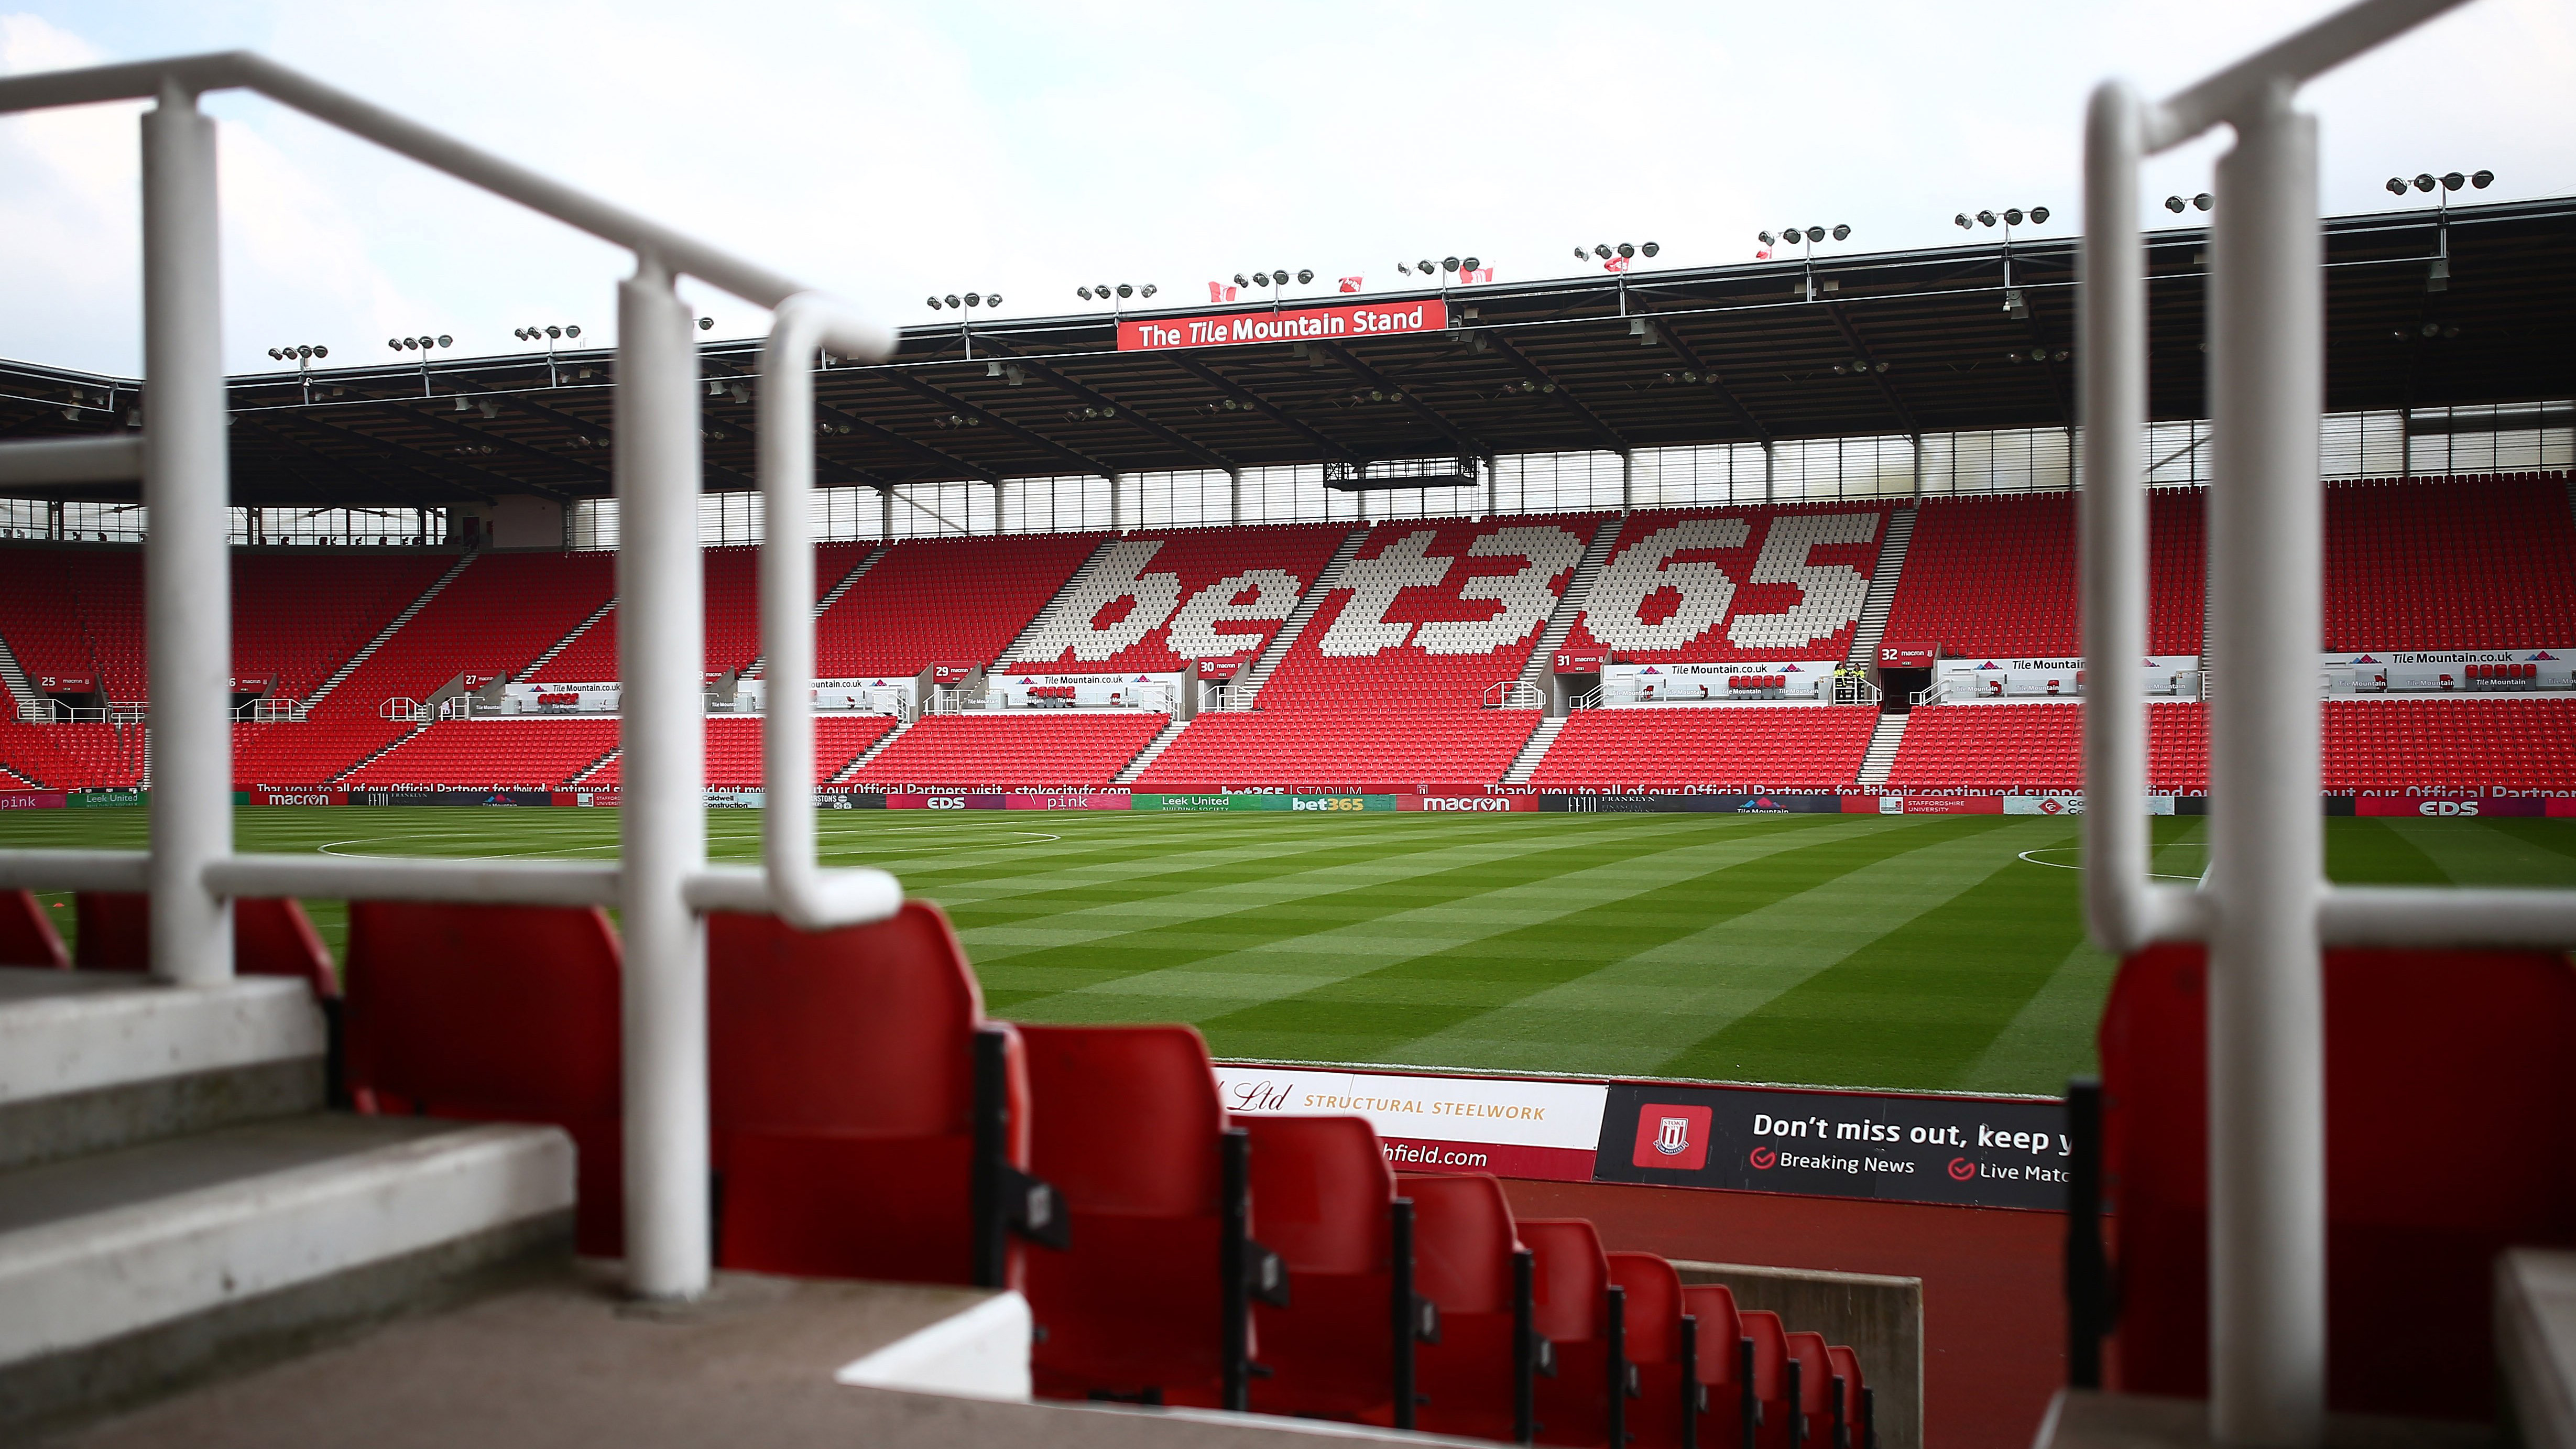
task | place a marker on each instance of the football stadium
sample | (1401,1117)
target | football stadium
(1947,846)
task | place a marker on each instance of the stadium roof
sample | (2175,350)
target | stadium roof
(1891,343)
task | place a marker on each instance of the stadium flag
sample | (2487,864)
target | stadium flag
(1615,264)
(1762,254)
(1220,292)
(1350,284)
(1475,274)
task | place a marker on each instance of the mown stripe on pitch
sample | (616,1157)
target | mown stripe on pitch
(2366,851)
(1497,899)
(1035,882)
(1129,939)
(1415,1007)
(1631,1014)
(2051,1038)
(1911,1008)
(2472,852)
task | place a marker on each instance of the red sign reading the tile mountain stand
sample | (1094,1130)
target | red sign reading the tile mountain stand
(1296,324)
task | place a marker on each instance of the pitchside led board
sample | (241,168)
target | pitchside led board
(1292,324)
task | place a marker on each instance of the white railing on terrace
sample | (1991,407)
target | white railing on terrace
(1513,694)
(662,879)
(2264,907)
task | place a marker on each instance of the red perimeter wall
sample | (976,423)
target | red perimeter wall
(1994,1320)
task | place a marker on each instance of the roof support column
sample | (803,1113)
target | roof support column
(1768,457)
(1627,482)
(1118,503)
(1234,505)
(1918,467)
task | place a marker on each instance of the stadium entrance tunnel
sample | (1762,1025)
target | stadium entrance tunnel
(1899,686)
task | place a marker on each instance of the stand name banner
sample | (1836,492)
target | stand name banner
(1775,803)
(1293,324)
(1527,1129)
(1963,1150)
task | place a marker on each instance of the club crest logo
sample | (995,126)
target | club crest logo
(1671,1136)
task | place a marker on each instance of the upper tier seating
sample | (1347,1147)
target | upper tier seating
(1427,615)
(501,754)
(72,756)
(732,615)
(1996,575)
(491,620)
(299,615)
(2490,741)
(1750,584)
(2040,747)
(311,752)
(2485,562)
(1157,601)
(1753,748)
(1024,747)
(75,612)
(1339,751)
(943,600)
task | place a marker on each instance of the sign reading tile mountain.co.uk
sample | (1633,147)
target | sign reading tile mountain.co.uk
(1502,1125)
(1973,1151)
(1293,324)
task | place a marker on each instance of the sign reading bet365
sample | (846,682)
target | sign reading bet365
(1295,324)
(1970,1150)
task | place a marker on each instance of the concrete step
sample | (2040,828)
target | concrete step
(122,1271)
(96,1060)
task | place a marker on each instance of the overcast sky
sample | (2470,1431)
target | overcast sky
(884,152)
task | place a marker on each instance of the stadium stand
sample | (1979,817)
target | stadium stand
(733,750)
(732,617)
(1987,748)
(499,754)
(2509,742)
(72,756)
(1773,583)
(2479,562)
(1996,575)
(1153,601)
(942,599)
(300,614)
(1760,748)
(308,752)
(77,612)
(1037,747)
(493,619)
(1339,750)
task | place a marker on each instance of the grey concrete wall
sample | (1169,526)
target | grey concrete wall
(1878,1318)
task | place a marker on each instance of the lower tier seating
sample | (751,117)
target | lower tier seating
(309,752)
(500,754)
(733,747)
(1750,749)
(1338,751)
(72,756)
(2040,747)
(2495,742)
(1044,748)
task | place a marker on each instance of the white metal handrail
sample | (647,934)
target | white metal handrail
(662,878)
(1512,694)
(2264,907)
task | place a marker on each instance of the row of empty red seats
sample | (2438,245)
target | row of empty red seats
(1996,575)
(1428,615)
(1337,751)
(285,754)
(1154,601)
(2040,747)
(1728,748)
(1738,584)
(1165,1246)
(491,621)
(299,615)
(732,620)
(942,600)
(2511,742)
(75,612)
(1041,747)
(512,754)
(2451,563)
(72,756)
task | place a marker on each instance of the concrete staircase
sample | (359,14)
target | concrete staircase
(830,597)
(872,751)
(564,643)
(1010,654)
(391,746)
(593,768)
(1153,748)
(1882,589)
(1571,604)
(387,632)
(1880,757)
(1242,692)
(21,693)
(1533,750)
(175,1200)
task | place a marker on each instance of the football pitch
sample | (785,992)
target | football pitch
(1925,952)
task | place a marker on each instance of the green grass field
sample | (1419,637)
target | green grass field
(1913,952)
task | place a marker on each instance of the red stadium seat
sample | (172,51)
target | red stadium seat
(27,938)
(1327,1206)
(1856,1412)
(1723,1364)
(1665,1408)
(1574,1303)
(1812,1389)
(2450,1135)
(852,1074)
(1149,1302)
(496,1013)
(1766,1378)
(1477,1379)
(270,938)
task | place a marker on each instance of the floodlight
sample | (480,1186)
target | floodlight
(1626,250)
(2453,181)
(706,322)
(554,331)
(1239,281)
(1261,279)
(1083,292)
(974,299)
(1815,233)
(394,342)
(276,356)
(1650,248)
(1986,218)
(409,344)
(303,351)
(571,331)
(1280,275)
(1407,268)
(1581,255)
(1602,250)
(2424,181)
(2396,186)
(446,341)
(1840,232)
(994,299)
(1471,264)
(1124,290)
(951,300)
(1424,267)
(2012,216)
(1448,264)
(2482,180)
(2039,216)
(1304,275)
(1767,240)
(1100,289)
(2204,201)
(2174,203)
